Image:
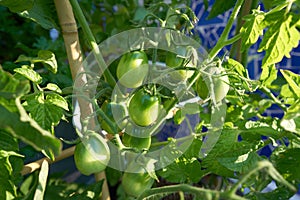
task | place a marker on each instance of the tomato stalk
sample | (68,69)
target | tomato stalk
(92,41)
(224,36)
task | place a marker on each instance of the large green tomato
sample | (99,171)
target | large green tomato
(143,108)
(91,154)
(134,184)
(136,142)
(133,69)
(220,84)
(177,59)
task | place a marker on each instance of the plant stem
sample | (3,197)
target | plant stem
(268,92)
(224,36)
(92,41)
(189,189)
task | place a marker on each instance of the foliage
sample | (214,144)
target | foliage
(36,85)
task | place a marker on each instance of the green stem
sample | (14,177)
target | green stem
(189,189)
(92,41)
(268,92)
(224,36)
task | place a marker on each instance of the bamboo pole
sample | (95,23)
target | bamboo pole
(70,35)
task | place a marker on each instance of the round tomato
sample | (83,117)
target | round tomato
(220,84)
(134,184)
(143,108)
(113,111)
(136,142)
(91,154)
(133,69)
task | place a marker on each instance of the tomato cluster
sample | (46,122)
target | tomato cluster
(141,108)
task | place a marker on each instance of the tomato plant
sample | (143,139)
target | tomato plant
(135,58)
(148,108)
(91,154)
(133,69)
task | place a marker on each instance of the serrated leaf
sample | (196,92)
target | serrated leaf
(17,5)
(293,81)
(252,28)
(279,40)
(268,75)
(220,7)
(42,12)
(47,112)
(21,126)
(30,74)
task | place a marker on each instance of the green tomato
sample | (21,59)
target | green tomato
(91,154)
(134,184)
(177,59)
(220,84)
(143,108)
(136,142)
(133,69)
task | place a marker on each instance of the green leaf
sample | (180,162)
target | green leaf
(268,75)
(287,163)
(10,87)
(252,28)
(17,5)
(30,74)
(41,187)
(44,56)
(293,81)
(43,13)
(11,164)
(21,126)
(281,37)
(48,58)
(278,193)
(47,112)
(53,87)
(240,157)
(220,7)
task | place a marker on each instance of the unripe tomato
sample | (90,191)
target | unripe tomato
(136,142)
(91,154)
(143,108)
(134,184)
(177,59)
(220,84)
(133,69)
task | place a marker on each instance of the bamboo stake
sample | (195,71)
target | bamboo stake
(70,35)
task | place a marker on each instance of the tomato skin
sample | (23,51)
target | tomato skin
(92,154)
(136,142)
(134,184)
(143,108)
(133,69)
(220,82)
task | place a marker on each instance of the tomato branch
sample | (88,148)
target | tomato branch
(224,36)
